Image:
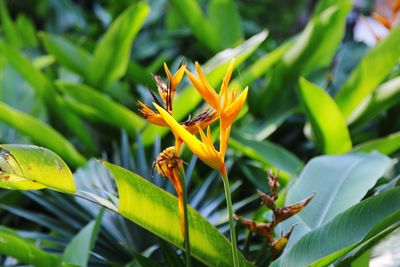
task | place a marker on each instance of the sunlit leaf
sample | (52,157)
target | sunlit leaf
(157,211)
(328,125)
(105,108)
(190,11)
(111,56)
(364,79)
(225,19)
(35,164)
(385,145)
(67,53)
(41,134)
(383,98)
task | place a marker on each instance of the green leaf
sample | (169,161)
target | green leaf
(312,49)
(23,250)
(225,19)
(383,98)
(78,250)
(105,108)
(215,70)
(35,164)
(348,230)
(363,260)
(157,211)
(67,53)
(112,53)
(27,31)
(320,108)
(191,13)
(261,66)
(41,134)
(268,154)
(364,79)
(45,89)
(385,145)
(338,182)
(9,28)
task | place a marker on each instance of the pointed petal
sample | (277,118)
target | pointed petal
(198,148)
(204,88)
(227,78)
(230,113)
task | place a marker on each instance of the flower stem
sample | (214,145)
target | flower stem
(186,219)
(231,221)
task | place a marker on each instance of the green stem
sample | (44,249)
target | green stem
(186,219)
(231,220)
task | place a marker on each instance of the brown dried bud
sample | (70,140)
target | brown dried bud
(279,245)
(282,214)
(264,229)
(273,182)
(267,200)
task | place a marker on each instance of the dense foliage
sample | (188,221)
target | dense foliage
(79,186)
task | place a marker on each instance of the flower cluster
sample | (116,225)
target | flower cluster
(224,106)
(267,229)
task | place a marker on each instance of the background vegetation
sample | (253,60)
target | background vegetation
(323,108)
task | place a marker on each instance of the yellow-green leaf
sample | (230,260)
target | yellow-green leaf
(156,210)
(23,166)
(328,125)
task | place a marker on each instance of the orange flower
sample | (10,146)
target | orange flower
(227,105)
(167,93)
(169,164)
(203,149)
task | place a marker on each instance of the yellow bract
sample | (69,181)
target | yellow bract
(204,149)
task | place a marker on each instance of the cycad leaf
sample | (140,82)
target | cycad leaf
(78,250)
(157,211)
(36,165)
